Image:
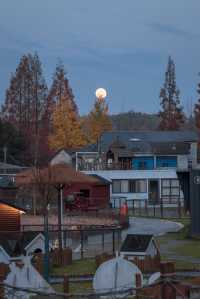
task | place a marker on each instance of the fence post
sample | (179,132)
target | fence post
(119,238)
(179,207)
(161,207)
(66,284)
(65,238)
(103,241)
(113,241)
(167,270)
(1,287)
(154,209)
(146,208)
(133,203)
(138,280)
(82,241)
(139,207)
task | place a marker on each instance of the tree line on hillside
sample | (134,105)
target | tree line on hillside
(37,120)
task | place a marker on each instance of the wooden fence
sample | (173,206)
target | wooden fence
(56,258)
(146,265)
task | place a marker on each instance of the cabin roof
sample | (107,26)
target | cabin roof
(12,205)
(136,243)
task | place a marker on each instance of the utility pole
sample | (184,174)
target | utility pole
(46,236)
(5,149)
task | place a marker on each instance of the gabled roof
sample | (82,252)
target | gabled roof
(14,243)
(136,243)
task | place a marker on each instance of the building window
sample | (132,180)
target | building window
(129,186)
(170,189)
(124,186)
(166,161)
(141,186)
(116,186)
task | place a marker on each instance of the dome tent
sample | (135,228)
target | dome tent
(115,275)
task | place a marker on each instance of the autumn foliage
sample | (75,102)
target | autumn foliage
(98,121)
(66,125)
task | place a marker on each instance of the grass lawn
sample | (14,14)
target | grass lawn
(85,266)
(180,247)
(190,248)
(75,287)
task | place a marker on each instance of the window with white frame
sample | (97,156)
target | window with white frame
(170,188)
(129,186)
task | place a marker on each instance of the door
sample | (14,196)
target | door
(154,191)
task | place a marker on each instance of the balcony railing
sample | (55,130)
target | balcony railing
(105,166)
(125,165)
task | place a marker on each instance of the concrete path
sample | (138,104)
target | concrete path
(152,226)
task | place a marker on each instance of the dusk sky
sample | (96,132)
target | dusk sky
(122,46)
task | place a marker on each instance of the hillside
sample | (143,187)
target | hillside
(134,121)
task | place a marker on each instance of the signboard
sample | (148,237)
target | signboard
(197,179)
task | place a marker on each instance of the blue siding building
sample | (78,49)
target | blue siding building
(143,162)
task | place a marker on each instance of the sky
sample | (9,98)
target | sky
(122,46)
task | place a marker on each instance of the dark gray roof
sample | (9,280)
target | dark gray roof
(136,243)
(170,148)
(140,141)
(134,139)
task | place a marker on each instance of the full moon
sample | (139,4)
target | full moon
(101,93)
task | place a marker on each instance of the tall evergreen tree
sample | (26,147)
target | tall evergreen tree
(26,95)
(60,89)
(197,109)
(171,115)
(25,101)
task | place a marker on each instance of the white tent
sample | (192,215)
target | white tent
(27,277)
(114,275)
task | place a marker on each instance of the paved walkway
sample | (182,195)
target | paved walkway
(152,226)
